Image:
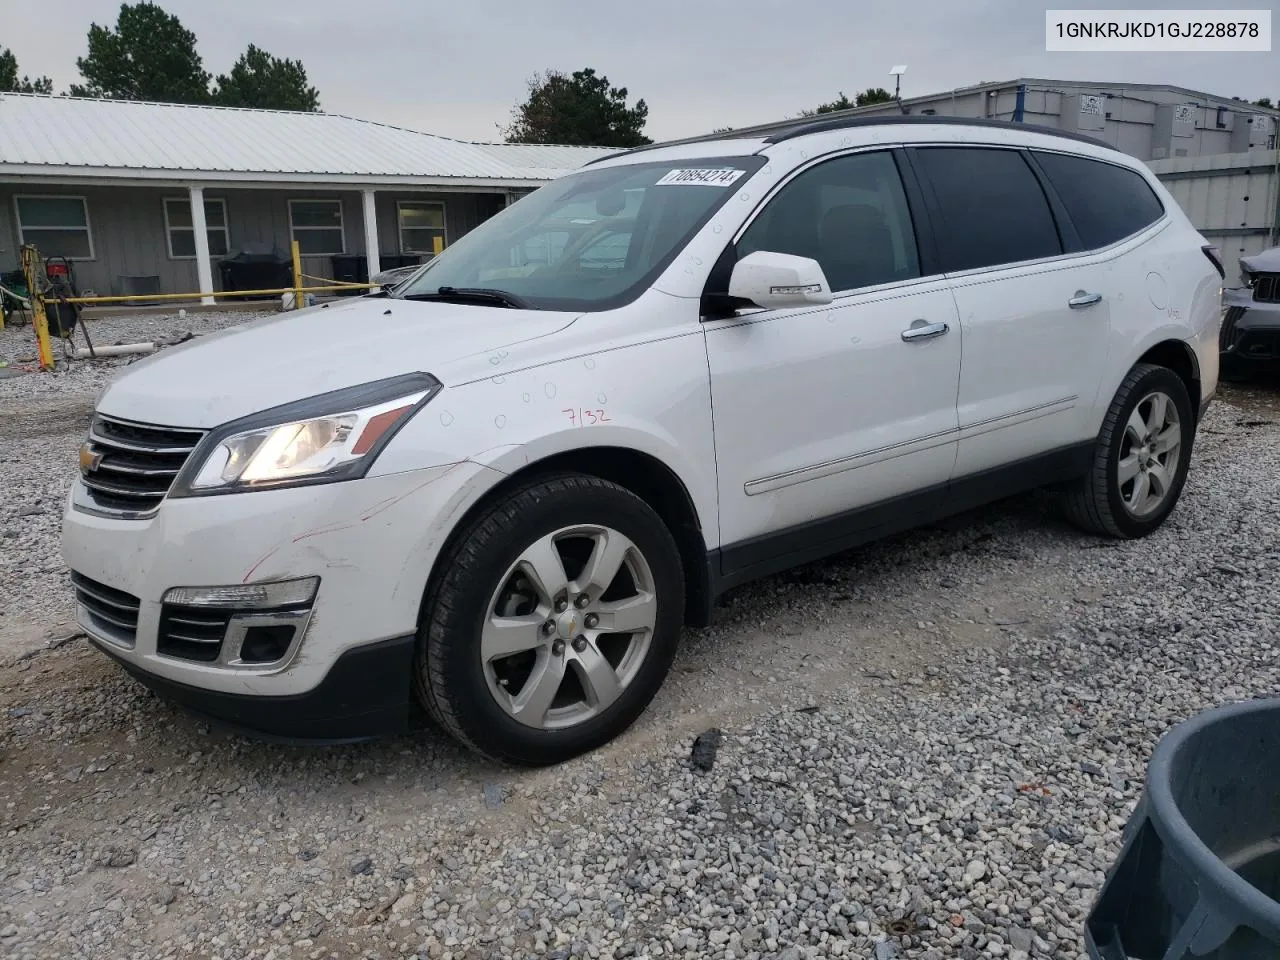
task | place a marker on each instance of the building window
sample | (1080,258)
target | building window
(56,226)
(317,226)
(421,222)
(182,235)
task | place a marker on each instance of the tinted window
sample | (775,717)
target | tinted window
(993,208)
(1106,203)
(850,214)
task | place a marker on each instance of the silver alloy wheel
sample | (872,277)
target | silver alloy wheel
(1149,454)
(568,627)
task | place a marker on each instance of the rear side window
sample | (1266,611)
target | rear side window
(993,208)
(1105,202)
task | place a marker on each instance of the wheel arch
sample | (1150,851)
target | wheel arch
(644,475)
(1178,356)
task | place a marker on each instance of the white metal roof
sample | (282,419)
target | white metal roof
(87,138)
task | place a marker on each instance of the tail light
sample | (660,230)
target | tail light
(1215,257)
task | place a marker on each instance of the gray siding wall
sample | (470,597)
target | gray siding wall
(463,212)
(128,229)
(10,258)
(127,226)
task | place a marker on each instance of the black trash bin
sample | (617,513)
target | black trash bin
(1199,873)
(350,268)
(392,261)
(248,270)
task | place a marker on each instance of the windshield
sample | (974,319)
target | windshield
(592,240)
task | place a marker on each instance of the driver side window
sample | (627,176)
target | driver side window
(850,214)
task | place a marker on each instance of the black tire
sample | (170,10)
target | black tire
(1094,502)
(449,675)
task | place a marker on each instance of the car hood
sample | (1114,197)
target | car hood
(1268,261)
(218,377)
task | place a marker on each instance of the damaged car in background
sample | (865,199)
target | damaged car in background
(1250,337)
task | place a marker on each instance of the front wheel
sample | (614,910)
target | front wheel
(1141,457)
(553,622)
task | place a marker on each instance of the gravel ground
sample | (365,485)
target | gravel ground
(43,417)
(930,748)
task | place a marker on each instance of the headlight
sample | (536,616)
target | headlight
(335,436)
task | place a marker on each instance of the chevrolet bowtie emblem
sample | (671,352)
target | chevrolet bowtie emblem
(89,459)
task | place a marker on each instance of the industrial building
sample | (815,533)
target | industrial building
(1147,121)
(169,198)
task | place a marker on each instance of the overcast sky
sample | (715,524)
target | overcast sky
(457,68)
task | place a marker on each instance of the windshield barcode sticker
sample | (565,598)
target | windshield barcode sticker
(721,177)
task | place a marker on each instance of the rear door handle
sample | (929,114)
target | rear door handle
(925,331)
(1083,299)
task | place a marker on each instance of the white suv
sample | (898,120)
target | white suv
(499,491)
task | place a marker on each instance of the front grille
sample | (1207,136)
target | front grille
(1227,334)
(138,464)
(192,633)
(1266,288)
(113,612)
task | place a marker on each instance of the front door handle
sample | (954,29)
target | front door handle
(926,331)
(1083,299)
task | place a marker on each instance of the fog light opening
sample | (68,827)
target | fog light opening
(266,644)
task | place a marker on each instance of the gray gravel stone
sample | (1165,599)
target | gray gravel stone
(971,777)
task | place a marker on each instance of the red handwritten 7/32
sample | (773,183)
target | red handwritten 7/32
(586,418)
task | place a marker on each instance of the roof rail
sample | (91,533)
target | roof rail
(804,127)
(782,131)
(701,138)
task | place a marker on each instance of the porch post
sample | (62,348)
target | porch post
(204,267)
(371,233)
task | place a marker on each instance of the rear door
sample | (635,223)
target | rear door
(1035,318)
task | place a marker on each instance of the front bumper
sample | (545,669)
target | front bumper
(364,695)
(371,542)
(1250,335)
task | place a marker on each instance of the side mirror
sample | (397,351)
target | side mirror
(774,280)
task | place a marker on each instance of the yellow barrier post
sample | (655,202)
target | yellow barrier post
(38,319)
(298,302)
(437,246)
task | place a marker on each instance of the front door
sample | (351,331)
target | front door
(834,423)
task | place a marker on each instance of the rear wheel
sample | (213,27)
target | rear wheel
(1140,459)
(553,623)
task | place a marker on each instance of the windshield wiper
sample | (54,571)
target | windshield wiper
(472,293)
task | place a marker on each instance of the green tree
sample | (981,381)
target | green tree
(149,55)
(260,80)
(578,110)
(874,95)
(1264,102)
(10,82)
(842,102)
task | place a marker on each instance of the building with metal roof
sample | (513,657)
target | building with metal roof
(152,197)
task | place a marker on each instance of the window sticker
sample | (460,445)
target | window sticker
(701,177)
